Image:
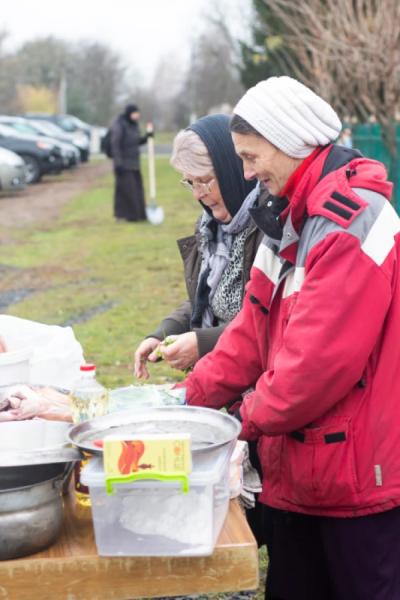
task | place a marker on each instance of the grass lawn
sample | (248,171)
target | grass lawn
(164,137)
(119,279)
(130,273)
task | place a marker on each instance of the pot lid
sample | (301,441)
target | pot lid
(35,442)
(39,457)
(209,429)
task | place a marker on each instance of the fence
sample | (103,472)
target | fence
(367,138)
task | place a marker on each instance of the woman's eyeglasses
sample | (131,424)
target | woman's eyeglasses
(199,186)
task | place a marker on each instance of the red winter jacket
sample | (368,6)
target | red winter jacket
(319,339)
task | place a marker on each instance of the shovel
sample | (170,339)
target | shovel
(154,213)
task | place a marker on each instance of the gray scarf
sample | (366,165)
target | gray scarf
(215,249)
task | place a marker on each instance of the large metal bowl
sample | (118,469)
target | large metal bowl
(209,429)
(31,510)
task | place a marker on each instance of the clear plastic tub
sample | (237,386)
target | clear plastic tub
(153,518)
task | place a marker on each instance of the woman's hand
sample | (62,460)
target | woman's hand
(145,352)
(182,350)
(3,347)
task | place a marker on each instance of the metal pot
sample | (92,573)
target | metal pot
(31,510)
(210,429)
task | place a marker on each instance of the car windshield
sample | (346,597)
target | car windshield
(79,123)
(23,127)
(48,128)
(66,123)
(8,131)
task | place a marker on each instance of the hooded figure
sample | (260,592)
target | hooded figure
(129,203)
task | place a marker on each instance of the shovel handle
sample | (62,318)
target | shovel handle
(152,170)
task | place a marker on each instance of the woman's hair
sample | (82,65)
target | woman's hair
(190,155)
(240,125)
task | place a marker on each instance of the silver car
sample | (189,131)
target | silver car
(12,171)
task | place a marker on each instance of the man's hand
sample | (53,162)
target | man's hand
(3,347)
(182,350)
(145,352)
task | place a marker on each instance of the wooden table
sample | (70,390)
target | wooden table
(72,569)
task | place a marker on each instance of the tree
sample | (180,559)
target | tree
(8,79)
(36,99)
(40,62)
(95,77)
(212,78)
(349,52)
(266,55)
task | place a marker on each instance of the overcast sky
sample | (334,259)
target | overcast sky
(143,31)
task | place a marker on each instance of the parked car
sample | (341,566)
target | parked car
(69,124)
(69,152)
(52,130)
(12,171)
(40,157)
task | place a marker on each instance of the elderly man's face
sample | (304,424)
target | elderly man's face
(264,161)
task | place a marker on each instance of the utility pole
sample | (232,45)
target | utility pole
(62,94)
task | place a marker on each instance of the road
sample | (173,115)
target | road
(42,202)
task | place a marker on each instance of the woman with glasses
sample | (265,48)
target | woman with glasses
(218,258)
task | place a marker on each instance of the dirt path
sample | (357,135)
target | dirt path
(42,202)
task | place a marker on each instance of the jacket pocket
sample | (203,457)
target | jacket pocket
(318,466)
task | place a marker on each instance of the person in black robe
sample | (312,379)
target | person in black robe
(129,203)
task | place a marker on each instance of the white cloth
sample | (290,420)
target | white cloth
(289,115)
(56,354)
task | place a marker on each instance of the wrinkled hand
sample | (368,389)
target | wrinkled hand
(183,352)
(145,352)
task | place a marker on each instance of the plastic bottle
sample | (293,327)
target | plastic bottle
(89,400)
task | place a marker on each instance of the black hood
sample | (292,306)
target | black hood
(214,132)
(129,109)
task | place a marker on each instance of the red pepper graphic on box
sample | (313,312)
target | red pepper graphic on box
(131,452)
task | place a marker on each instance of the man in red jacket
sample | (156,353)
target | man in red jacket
(318,344)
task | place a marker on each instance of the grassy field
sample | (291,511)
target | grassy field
(164,137)
(119,280)
(127,276)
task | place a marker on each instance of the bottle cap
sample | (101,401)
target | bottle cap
(88,367)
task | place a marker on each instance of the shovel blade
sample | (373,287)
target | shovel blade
(155,214)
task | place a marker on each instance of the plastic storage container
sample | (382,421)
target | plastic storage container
(153,518)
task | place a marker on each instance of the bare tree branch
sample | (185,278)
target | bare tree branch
(349,51)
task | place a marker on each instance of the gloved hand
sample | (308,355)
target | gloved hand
(251,482)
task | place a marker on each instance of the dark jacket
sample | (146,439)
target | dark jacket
(179,320)
(125,142)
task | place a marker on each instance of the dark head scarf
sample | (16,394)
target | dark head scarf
(215,134)
(129,109)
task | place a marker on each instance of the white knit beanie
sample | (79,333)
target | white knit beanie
(289,115)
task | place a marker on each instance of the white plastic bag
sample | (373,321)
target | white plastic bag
(56,353)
